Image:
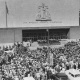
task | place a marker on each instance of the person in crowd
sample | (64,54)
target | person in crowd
(27,64)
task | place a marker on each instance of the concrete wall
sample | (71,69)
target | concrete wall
(18,35)
(10,35)
(75,33)
(6,35)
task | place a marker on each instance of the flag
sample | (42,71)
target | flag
(7,12)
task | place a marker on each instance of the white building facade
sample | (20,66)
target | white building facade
(61,21)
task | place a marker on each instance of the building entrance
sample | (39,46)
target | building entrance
(43,34)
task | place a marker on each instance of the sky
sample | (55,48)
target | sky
(22,12)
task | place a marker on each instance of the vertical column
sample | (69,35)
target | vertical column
(14,35)
(68,34)
(48,36)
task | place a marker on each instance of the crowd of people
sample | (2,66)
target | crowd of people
(18,62)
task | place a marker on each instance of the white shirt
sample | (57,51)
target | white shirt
(28,78)
(38,75)
(16,78)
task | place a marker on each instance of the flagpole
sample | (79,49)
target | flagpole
(14,35)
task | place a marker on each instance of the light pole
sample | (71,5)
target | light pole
(48,37)
(48,46)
